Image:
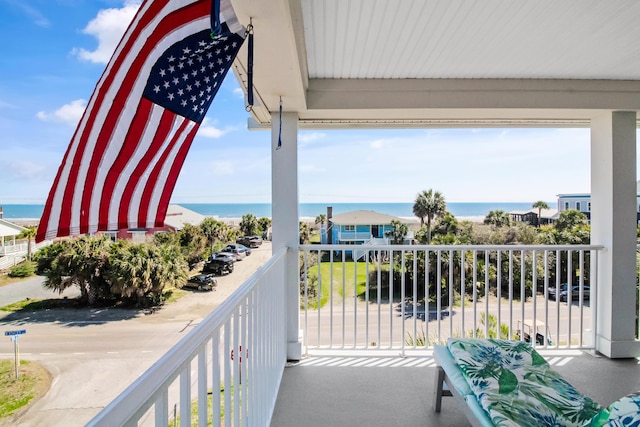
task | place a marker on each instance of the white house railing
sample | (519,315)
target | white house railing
(13,249)
(238,354)
(364,306)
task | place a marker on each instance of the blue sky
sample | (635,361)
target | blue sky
(54,52)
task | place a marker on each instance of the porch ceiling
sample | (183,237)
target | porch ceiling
(350,63)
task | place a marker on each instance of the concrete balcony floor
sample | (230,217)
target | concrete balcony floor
(350,389)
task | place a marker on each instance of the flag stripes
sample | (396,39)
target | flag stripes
(126,155)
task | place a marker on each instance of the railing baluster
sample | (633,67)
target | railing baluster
(202,387)
(344,297)
(486,293)
(499,291)
(511,295)
(557,304)
(475,293)
(439,294)
(185,396)
(463,292)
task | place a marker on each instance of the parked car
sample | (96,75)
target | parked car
(553,292)
(219,264)
(202,282)
(232,247)
(233,255)
(575,293)
(250,241)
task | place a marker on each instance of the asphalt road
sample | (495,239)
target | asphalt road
(94,354)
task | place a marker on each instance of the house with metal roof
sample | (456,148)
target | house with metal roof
(365,227)
(175,220)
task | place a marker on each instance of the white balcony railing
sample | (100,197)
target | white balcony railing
(238,354)
(13,249)
(365,306)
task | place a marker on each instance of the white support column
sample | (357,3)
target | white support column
(613,224)
(285,220)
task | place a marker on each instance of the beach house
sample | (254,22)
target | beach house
(365,227)
(177,217)
(332,64)
(582,202)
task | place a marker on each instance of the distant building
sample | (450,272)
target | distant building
(366,227)
(547,216)
(582,202)
(9,233)
(175,220)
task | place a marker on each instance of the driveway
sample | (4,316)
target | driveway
(94,354)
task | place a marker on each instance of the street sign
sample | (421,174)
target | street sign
(20,332)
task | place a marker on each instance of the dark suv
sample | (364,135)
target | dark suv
(219,264)
(250,241)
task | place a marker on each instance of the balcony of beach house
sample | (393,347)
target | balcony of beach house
(271,354)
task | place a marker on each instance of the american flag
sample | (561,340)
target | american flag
(124,159)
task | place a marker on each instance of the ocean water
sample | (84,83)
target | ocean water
(309,210)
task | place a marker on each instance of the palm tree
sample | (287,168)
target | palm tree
(28,233)
(320,219)
(497,218)
(214,231)
(540,205)
(429,204)
(81,263)
(249,224)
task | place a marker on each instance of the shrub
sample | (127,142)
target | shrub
(24,269)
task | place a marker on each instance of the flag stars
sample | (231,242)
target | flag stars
(172,69)
(156,88)
(186,50)
(181,65)
(193,98)
(170,96)
(163,72)
(200,58)
(206,79)
(166,85)
(185,77)
(171,58)
(176,80)
(194,73)
(180,92)
(189,88)
(190,62)
(183,103)
(197,83)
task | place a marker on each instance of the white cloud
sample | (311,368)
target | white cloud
(222,168)
(209,130)
(108,27)
(310,136)
(377,144)
(23,169)
(69,113)
(4,104)
(38,18)
(238,92)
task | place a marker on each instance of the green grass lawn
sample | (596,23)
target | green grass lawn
(330,277)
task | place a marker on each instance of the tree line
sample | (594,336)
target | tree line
(124,272)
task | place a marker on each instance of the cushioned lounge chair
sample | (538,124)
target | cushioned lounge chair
(508,383)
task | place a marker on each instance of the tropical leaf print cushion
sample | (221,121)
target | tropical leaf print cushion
(625,412)
(517,387)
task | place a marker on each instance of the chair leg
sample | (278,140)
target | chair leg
(439,387)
